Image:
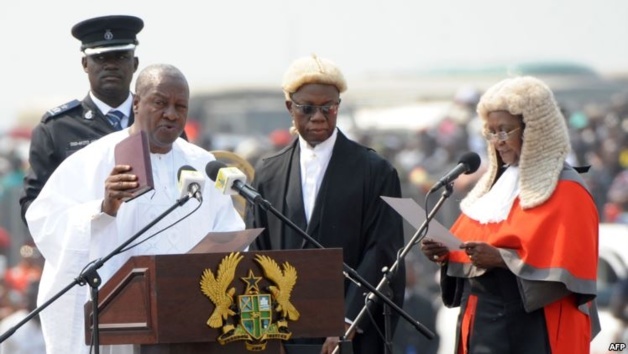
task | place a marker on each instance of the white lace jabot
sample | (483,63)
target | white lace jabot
(495,205)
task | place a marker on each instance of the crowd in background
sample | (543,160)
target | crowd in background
(599,138)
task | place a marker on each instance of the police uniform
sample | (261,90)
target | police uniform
(73,125)
(63,130)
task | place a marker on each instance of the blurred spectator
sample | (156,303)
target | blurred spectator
(598,180)
(28,339)
(280,138)
(9,299)
(463,111)
(421,306)
(27,270)
(5,243)
(192,130)
(451,136)
(252,149)
(420,151)
(616,210)
(13,176)
(577,122)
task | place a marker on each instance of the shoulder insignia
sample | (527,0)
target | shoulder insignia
(60,109)
(582,169)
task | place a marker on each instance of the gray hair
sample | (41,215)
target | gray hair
(155,73)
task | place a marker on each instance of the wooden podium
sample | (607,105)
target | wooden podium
(156,302)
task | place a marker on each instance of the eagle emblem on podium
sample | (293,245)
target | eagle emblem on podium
(258,314)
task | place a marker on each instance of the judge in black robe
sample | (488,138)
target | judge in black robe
(348,211)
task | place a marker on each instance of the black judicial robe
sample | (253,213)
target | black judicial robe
(348,214)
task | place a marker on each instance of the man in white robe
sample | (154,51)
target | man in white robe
(80,215)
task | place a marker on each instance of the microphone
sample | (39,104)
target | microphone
(230,178)
(191,182)
(231,181)
(468,163)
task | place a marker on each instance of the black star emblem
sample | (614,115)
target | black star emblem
(251,282)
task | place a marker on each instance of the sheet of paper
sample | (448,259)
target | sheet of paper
(231,241)
(415,215)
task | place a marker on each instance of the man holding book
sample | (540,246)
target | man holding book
(108,46)
(81,214)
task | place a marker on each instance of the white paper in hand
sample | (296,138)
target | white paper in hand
(415,215)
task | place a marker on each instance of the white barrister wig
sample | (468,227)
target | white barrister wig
(545,139)
(312,70)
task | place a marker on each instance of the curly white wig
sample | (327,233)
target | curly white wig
(312,70)
(545,139)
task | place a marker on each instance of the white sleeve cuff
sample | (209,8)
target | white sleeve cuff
(100,219)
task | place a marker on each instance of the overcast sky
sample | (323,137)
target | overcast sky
(218,43)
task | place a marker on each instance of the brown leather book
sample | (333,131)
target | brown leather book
(134,151)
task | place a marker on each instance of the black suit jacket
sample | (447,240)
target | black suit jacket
(348,214)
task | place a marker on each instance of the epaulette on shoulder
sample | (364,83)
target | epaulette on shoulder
(582,169)
(54,112)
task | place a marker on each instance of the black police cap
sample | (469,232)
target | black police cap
(108,33)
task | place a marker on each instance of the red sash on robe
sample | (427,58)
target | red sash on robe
(560,235)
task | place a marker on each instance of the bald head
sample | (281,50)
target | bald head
(154,74)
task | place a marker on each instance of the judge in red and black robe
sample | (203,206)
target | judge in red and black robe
(525,274)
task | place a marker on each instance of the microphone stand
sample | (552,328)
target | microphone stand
(385,281)
(349,272)
(90,276)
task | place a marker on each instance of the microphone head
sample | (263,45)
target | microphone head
(226,180)
(213,167)
(188,176)
(471,160)
(184,168)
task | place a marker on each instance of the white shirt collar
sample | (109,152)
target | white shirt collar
(323,150)
(104,108)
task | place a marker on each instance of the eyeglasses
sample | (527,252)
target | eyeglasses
(500,136)
(309,110)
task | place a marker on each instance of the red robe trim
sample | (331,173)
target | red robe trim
(467,323)
(556,242)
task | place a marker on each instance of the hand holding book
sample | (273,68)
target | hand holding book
(119,187)
(132,174)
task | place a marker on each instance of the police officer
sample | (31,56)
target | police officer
(108,47)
